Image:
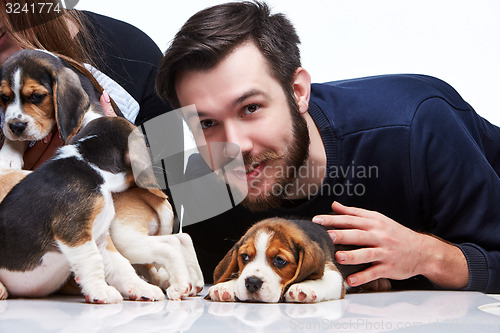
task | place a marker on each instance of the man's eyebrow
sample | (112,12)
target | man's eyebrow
(239,100)
(248,94)
(190,114)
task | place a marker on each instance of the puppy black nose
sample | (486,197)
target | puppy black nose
(18,128)
(253,283)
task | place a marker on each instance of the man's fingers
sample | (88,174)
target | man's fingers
(354,237)
(340,209)
(377,285)
(350,218)
(342,221)
(370,274)
(359,256)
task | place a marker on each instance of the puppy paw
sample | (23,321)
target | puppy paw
(3,292)
(146,292)
(301,293)
(223,292)
(176,292)
(195,287)
(103,295)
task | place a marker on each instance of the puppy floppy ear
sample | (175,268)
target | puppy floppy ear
(228,268)
(140,161)
(310,265)
(70,101)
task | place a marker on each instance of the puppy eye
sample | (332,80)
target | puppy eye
(4,98)
(279,262)
(245,258)
(36,98)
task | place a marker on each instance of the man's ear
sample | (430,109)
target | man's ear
(302,89)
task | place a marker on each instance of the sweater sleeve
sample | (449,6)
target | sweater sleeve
(455,181)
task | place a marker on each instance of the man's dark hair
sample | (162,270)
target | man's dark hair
(213,33)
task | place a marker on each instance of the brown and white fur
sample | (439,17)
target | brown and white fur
(279,260)
(37,92)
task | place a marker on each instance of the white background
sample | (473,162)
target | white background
(455,40)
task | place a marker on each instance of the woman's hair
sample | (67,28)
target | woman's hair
(211,34)
(37,27)
(50,30)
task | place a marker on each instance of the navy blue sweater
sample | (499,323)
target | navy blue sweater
(409,147)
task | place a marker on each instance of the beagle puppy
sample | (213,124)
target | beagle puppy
(56,220)
(279,260)
(40,91)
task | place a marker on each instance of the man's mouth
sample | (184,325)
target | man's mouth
(250,172)
(255,169)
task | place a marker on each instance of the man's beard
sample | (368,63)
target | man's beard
(294,157)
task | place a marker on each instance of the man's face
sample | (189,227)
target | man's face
(238,101)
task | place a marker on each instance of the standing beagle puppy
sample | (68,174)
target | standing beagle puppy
(39,92)
(279,260)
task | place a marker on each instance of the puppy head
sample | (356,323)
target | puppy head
(36,90)
(268,259)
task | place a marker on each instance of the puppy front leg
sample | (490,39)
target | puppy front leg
(121,275)
(223,291)
(157,276)
(11,154)
(329,287)
(167,251)
(195,273)
(86,263)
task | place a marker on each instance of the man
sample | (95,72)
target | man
(406,147)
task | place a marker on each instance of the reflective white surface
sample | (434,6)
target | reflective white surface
(411,311)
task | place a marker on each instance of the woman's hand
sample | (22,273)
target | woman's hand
(395,251)
(106,104)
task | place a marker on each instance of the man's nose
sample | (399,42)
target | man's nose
(240,136)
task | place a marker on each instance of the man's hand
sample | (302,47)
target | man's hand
(395,251)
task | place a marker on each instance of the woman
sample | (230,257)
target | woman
(123,53)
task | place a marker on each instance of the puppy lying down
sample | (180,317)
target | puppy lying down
(279,260)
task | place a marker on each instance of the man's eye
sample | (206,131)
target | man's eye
(207,123)
(279,262)
(251,108)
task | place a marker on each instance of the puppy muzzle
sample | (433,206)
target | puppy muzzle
(18,128)
(253,284)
